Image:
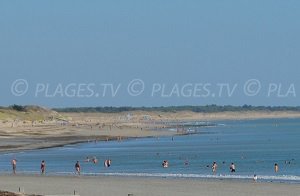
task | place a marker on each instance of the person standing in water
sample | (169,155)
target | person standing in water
(95,160)
(232,167)
(165,164)
(43,167)
(107,163)
(276,168)
(214,167)
(87,159)
(77,168)
(14,165)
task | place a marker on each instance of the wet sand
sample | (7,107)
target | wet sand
(140,186)
(19,135)
(28,142)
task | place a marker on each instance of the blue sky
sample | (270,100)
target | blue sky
(168,43)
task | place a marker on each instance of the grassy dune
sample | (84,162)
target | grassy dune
(32,127)
(29,113)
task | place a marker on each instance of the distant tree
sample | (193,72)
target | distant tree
(18,108)
(204,109)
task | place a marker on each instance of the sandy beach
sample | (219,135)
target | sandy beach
(139,186)
(24,134)
(24,131)
(150,98)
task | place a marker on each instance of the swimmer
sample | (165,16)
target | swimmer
(87,159)
(95,160)
(186,162)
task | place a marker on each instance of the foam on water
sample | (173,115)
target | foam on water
(174,175)
(279,178)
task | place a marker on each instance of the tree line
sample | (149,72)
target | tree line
(203,109)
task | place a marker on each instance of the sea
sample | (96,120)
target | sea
(254,146)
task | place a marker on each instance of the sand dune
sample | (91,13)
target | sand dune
(20,132)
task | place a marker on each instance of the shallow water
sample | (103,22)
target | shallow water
(253,145)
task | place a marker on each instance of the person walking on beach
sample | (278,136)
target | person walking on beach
(77,168)
(255,178)
(14,165)
(276,168)
(214,167)
(43,167)
(232,168)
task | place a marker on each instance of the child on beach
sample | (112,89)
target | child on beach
(77,168)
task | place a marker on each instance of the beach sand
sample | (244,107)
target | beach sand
(17,134)
(39,137)
(140,186)
(82,127)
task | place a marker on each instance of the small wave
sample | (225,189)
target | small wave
(281,178)
(174,175)
(65,148)
(12,153)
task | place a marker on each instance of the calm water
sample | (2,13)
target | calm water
(254,146)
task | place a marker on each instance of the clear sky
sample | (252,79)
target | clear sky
(173,47)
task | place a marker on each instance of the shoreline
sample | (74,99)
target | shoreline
(90,185)
(279,179)
(85,127)
(80,140)
(104,184)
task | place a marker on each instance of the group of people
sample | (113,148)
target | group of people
(215,166)
(107,163)
(14,166)
(232,167)
(93,160)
